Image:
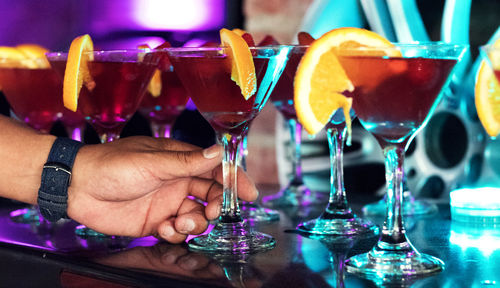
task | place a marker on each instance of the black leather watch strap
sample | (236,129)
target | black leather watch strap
(56,178)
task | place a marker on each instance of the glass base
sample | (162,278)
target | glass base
(411,206)
(338,224)
(253,212)
(294,195)
(26,215)
(232,238)
(83,231)
(394,264)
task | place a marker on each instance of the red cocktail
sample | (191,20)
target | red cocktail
(206,74)
(393,98)
(394,78)
(119,80)
(161,111)
(35,95)
(224,108)
(394,102)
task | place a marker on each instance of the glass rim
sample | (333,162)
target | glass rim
(219,48)
(416,45)
(97,52)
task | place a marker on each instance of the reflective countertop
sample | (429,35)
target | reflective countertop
(50,255)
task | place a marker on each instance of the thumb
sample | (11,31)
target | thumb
(192,163)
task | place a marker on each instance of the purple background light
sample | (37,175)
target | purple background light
(175,15)
(112,24)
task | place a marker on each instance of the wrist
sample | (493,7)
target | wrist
(82,171)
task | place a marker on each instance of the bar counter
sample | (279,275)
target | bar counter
(46,255)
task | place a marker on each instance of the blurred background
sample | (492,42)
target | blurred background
(450,153)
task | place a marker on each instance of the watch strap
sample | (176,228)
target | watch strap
(56,178)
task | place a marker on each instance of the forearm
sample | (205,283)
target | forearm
(23,151)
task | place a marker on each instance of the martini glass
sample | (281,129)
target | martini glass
(338,219)
(119,81)
(252,211)
(295,193)
(34,95)
(205,74)
(161,111)
(394,104)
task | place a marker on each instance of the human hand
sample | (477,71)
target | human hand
(178,262)
(174,260)
(138,186)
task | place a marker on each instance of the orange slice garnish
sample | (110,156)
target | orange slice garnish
(11,57)
(154,86)
(240,57)
(239,31)
(77,71)
(245,35)
(36,54)
(487,96)
(320,79)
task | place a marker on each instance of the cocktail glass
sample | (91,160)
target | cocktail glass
(119,81)
(252,211)
(394,97)
(295,193)
(163,110)
(206,74)
(338,219)
(35,97)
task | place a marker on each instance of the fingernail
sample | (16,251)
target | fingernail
(211,152)
(167,232)
(186,226)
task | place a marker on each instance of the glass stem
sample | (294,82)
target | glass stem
(296,136)
(338,199)
(393,232)
(230,210)
(408,198)
(244,151)
(338,264)
(76,133)
(161,130)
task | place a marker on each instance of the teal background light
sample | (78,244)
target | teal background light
(325,15)
(476,205)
